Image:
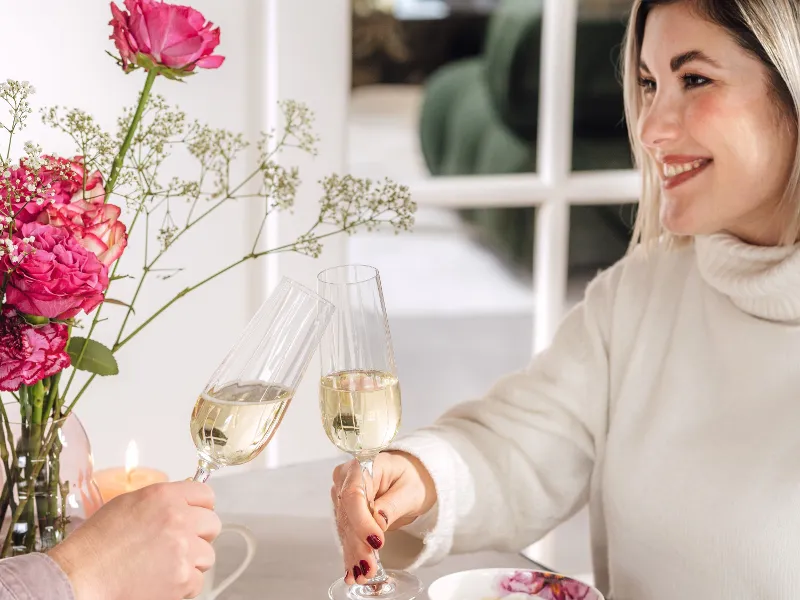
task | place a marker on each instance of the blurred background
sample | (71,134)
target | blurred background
(447,90)
(504,117)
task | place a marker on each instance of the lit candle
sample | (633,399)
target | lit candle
(116,481)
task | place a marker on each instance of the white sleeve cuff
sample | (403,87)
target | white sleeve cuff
(430,537)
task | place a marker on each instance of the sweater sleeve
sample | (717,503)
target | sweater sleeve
(511,466)
(33,577)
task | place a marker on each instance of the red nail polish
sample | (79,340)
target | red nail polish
(375,542)
(356,572)
(383,514)
(364,567)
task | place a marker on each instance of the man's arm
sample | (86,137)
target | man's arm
(33,577)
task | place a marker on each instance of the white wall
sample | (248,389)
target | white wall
(309,59)
(163,369)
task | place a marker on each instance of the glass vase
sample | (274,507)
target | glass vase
(47,480)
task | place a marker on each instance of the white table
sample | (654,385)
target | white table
(289,512)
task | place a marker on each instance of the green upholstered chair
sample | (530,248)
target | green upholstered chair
(479,117)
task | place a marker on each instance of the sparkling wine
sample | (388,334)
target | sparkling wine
(360,410)
(233,424)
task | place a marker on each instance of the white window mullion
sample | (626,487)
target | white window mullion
(554,164)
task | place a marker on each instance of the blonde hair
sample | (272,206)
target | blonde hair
(768,29)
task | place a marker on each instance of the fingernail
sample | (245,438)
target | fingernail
(364,567)
(383,514)
(356,571)
(375,542)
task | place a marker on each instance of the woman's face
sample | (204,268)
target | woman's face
(709,119)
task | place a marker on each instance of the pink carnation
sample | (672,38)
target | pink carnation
(29,353)
(178,37)
(59,279)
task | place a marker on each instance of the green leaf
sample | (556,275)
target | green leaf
(96,359)
(119,303)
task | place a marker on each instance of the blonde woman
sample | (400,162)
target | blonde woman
(669,400)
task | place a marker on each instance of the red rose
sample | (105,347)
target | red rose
(29,354)
(59,279)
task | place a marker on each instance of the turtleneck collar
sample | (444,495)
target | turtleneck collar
(763,281)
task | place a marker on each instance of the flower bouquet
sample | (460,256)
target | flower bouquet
(65,225)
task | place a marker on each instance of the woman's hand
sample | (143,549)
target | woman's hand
(402,491)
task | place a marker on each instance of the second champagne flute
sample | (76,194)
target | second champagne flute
(360,398)
(243,403)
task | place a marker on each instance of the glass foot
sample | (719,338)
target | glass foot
(401,586)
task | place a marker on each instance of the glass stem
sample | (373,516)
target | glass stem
(380,577)
(204,470)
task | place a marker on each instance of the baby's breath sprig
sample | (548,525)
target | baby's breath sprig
(148,135)
(92,142)
(347,204)
(15,94)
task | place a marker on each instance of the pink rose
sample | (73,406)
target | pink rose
(59,278)
(178,37)
(94,224)
(29,354)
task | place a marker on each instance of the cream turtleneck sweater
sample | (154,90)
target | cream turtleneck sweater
(669,401)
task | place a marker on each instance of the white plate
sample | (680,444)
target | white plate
(510,584)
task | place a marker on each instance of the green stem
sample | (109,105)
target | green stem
(260,229)
(24,536)
(130,305)
(35,457)
(9,485)
(189,224)
(37,402)
(180,295)
(189,289)
(119,159)
(52,394)
(9,435)
(11,135)
(55,517)
(23,501)
(145,271)
(96,318)
(79,394)
(24,405)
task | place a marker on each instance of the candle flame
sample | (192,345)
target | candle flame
(131,457)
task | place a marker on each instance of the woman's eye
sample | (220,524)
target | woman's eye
(647,84)
(693,81)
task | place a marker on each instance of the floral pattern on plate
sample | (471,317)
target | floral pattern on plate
(524,585)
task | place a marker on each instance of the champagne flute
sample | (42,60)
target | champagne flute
(243,403)
(360,397)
